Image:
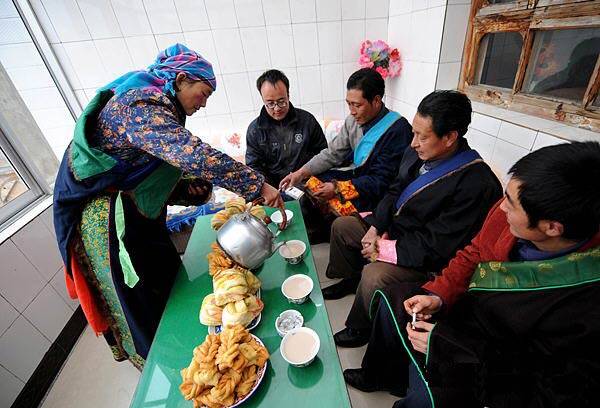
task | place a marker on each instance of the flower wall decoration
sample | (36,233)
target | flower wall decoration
(379,56)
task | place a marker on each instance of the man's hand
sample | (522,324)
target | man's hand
(326,191)
(369,243)
(370,237)
(370,251)
(271,196)
(419,339)
(423,305)
(294,178)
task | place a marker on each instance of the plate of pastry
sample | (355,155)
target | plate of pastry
(238,313)
(220,378)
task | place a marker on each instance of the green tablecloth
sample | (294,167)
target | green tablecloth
(319,385)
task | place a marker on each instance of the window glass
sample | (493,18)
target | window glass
(562,62)
(24,65)
(499,59)
(11,184)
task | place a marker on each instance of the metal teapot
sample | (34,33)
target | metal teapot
(248,240)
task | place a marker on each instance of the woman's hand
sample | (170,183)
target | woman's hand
(200,191)
(419,338)
(423,305)
(271,196)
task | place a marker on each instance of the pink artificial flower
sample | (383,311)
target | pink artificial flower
(364,47)
(364,59)
(380,45)
(368,64)
(382,71)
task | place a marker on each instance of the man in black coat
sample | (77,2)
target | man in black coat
(282,138)
(435,206)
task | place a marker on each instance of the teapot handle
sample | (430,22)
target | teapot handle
(260,200)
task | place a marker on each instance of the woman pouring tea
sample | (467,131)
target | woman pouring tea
(131,156)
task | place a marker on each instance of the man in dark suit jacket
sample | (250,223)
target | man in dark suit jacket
(435,206)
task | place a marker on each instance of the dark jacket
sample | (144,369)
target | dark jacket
(439,220)
(372,178)
(277,148)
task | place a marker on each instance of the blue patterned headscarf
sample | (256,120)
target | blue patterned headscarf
(162,73)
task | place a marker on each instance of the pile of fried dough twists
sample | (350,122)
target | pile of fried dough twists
(234,299)
(224,368)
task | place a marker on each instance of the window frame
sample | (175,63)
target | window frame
(31,157)
(528,17)
(34,192)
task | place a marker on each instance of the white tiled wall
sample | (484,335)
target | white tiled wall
(416,28)
(25,67)
(502,137)
(34,305)
(315,42)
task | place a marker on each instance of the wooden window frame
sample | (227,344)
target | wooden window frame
(526,17)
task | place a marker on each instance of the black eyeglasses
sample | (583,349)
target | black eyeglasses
(273,104)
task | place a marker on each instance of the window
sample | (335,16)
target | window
(31,112)
(18,188)
(11,183)
(536,56)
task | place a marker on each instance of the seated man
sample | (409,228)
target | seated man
(371,141)
(435,206)
(519,314)
(283,138)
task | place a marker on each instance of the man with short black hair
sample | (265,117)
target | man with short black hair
(518,307)
(370,143)
(437,203)
(282,138)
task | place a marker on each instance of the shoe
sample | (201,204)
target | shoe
(338,290)
(351,337)
(362,381)
(359,379)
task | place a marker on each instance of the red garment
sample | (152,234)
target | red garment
(78,288)
(493,243)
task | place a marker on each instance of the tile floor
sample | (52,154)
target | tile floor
(91,363)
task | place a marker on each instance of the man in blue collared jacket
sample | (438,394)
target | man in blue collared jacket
(370,147)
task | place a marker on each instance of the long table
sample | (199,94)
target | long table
(320,384)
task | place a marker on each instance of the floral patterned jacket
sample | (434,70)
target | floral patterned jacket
(141,124)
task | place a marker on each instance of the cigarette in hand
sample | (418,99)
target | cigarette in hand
(414,320)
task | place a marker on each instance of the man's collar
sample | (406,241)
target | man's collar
(266,121)
(463,145)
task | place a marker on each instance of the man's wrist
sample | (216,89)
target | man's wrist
(304,172)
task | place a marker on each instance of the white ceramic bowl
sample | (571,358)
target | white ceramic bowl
(277,218)
(294,315)
(297,298)
(292,258)
(310,354)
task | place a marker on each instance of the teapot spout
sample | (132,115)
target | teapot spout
(278,245)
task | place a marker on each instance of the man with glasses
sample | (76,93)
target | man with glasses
(282,138)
